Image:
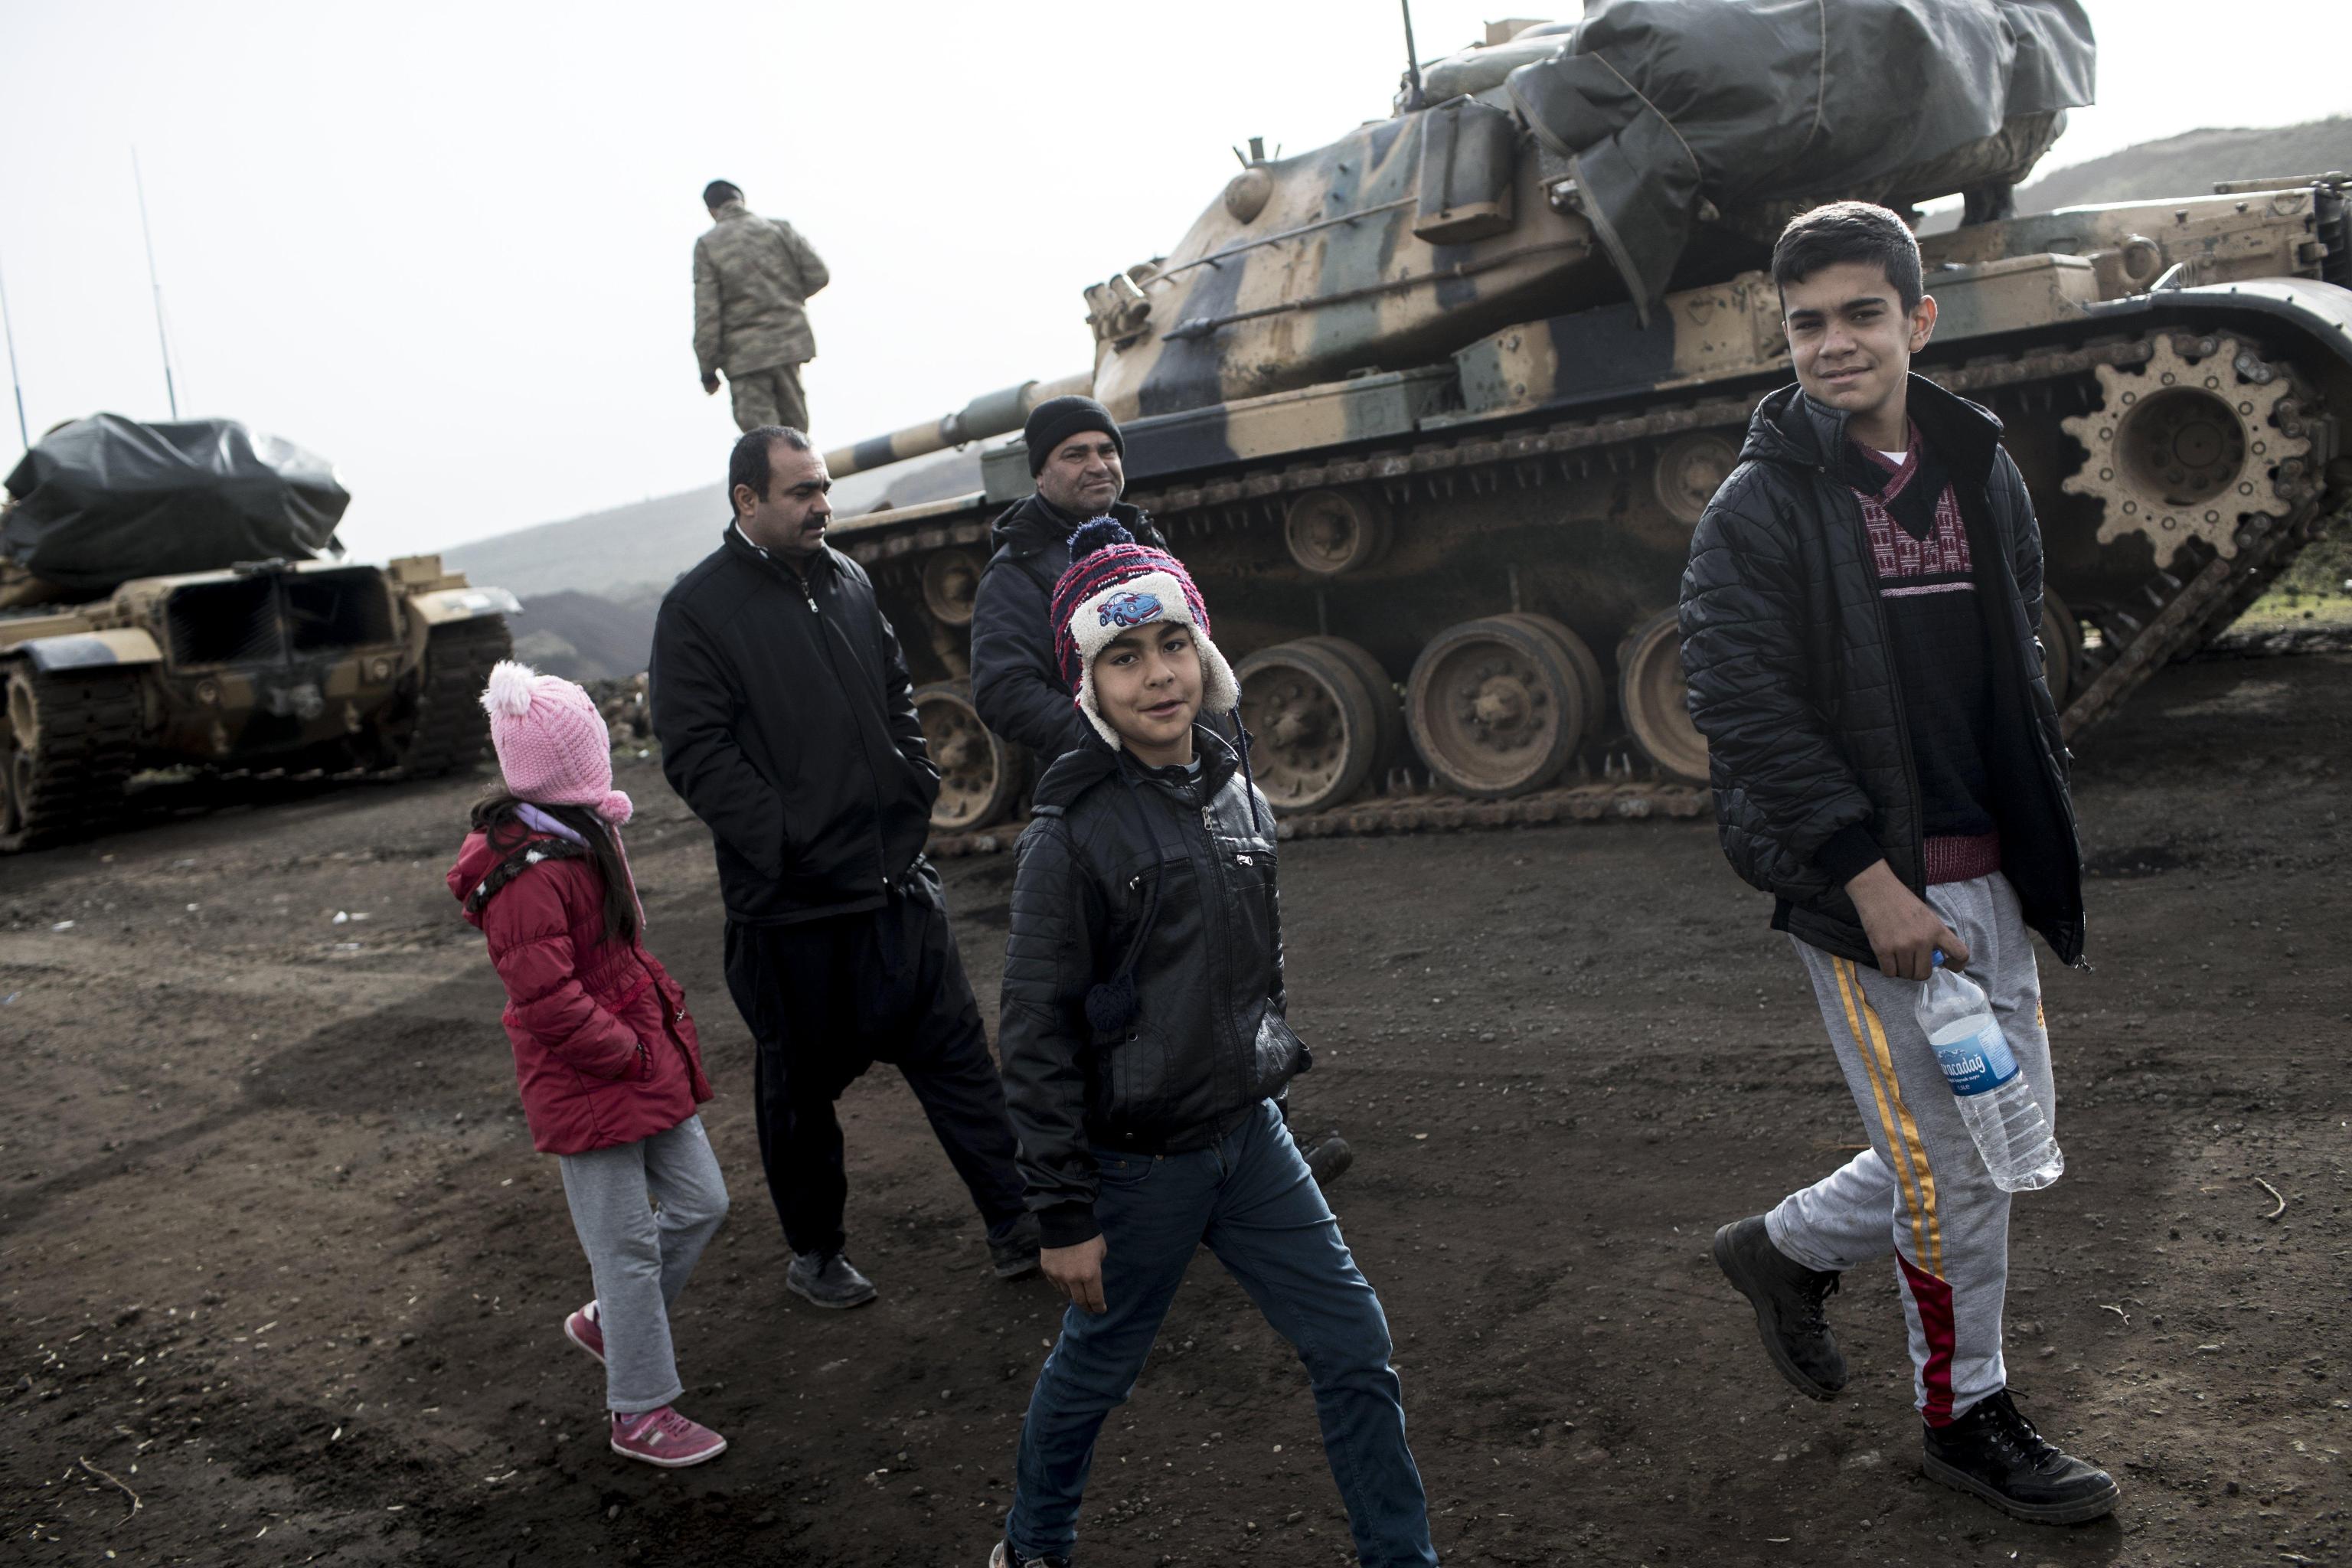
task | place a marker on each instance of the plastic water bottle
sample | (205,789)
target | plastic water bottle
(1996,1102)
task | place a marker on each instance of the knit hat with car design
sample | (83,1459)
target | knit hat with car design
(554,746)
(1113,585)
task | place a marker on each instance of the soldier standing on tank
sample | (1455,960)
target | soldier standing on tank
(787,724)
(752,279)
(1858,622)
(1077,456)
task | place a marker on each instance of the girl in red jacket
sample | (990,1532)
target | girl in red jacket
(605,1056)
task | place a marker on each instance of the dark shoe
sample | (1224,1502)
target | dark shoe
(1995,1453)
(1327,1159)
(1788,1299)
(1003,1556)
(828,1279)
(1014,1254)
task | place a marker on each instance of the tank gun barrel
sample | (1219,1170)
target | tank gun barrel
(992,414)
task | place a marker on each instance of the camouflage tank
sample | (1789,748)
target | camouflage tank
(270,665)
(1430,412)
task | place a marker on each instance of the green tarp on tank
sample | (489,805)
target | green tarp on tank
(1758,105)
(106,498)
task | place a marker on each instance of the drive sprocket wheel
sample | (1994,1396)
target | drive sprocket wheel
(2188,444)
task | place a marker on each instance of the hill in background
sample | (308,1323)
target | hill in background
(648,543)
(2193,162)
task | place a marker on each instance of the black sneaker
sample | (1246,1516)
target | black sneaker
(1327,1159)
(1788,1299)
(1014,1254)
(1995,1453)
(1003,1556)
(828,1279)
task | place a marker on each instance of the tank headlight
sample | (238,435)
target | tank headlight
(208,693)
(378,669)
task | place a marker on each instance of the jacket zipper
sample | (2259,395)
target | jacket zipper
(881,852)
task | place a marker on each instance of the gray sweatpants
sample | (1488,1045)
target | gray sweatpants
(1920,1190)
(638,1259)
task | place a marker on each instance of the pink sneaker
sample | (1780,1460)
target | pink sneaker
(583,1329)
(664,1438)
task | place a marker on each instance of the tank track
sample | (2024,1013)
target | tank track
(87,741)
(2187,612)
(452,732)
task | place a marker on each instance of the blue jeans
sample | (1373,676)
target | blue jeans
(1250,1197)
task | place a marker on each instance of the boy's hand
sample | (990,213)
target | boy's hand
(1904,931)
(1077,1271)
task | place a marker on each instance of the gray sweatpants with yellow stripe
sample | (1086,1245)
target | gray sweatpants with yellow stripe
(1920,1190)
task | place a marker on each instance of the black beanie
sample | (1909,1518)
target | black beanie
(1057,419)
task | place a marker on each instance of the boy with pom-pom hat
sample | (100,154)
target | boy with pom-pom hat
(1145,1042)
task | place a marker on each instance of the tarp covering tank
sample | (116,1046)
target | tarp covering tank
(1762,108)
(104,499)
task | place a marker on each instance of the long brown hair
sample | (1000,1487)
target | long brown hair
(494,815)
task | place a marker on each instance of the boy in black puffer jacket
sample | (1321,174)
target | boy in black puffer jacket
(1858,621)
(1145,1044)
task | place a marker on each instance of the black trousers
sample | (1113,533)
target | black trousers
(825,1000)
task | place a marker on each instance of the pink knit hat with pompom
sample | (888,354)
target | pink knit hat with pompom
(554,746)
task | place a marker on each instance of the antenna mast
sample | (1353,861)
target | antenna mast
(170,392)
(1412,61)
(8,328)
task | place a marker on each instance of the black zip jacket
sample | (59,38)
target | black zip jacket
(1209,1039)
(1794,686)
(1016,683)
(787,723)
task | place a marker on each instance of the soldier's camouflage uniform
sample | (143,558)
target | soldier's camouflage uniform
(752,276)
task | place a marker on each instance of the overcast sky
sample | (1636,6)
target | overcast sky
(448,247)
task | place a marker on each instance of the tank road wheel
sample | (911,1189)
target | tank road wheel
(1335,531)
(1322,717)
(1579,657)
(980,775)
(67,744)
(1691,469)
(950,584)
(2061,646)
(1496,705)
(2183,448)
(1651,693)
(447,728)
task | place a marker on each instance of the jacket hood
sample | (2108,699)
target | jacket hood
(1791,429)
(476,859)
(1076,772)
(1036,523)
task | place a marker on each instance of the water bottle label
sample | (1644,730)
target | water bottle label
(1976,1063)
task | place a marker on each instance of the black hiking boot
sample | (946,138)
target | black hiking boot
(828,1279)
(1327,1159)
(1003,1556)
(1014,1254)
(1994,1453)
(1788,1299)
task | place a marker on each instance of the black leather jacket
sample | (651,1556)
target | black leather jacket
(1210,1040)
(1016,686)
(787,724)
(1793,684)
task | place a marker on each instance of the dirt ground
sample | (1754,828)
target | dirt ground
(278,1257)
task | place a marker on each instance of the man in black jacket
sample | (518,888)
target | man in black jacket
(1077,457)
(787,723)
(1858,620)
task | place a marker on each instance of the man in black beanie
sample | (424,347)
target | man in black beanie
(1076,456)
